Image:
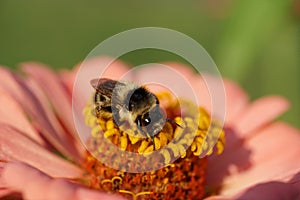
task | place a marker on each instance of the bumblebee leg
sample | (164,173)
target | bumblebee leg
(152,138)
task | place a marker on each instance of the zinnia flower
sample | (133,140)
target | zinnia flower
(42,156)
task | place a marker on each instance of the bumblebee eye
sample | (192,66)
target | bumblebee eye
(146,120)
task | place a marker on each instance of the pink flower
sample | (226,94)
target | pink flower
(41,154)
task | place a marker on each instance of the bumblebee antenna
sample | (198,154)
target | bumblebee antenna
(173,122)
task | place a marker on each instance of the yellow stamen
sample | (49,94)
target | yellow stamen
(96,130)
(111,132)
(143,146)
(142,193)
(197,135)
(110,124)
(112,180)
(133,139)
(166,156)
(134,196)
(157,143)
(123,142)
(149,149)
(163,139)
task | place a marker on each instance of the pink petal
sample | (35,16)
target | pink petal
(67,78)
(36,185)
(15,146)
(55,91)
(218,198)
(10,84)
(170,78)
(101,67)
(51,128)
(205,90)
(11,113)
(259,113)
(236,100)
(40,186)
(85,194)
(211,94)
(271,190)
(59,189)
(4,192)
(184,70)
(202,93)
(98,67)
(272,157)
(236,154)
(29,96)
(296,178)
(23,178)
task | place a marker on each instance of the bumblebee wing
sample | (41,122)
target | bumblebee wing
(104,86)
(96,83)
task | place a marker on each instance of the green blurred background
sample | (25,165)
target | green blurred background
(255,42)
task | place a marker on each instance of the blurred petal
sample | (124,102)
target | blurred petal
(8,83)
(183,69)
(29,96)
(211,93)
(102,67)
(15,146)
(273,153)
(58,189)
(236,100)
(206,85)
(182,83)
(202,92)
(174,78)
(51,127)
(296,178)
(271,190)
(4,192)
(97,67)
(67,78)
(58,97)
(218,198)
(93,68)
(259,113)
(53,88)
(38,184)
(235,155)
(185,83)
(11,113)
(85,194)
(41,186)
(16,175)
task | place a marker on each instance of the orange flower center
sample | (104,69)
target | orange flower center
(179,171)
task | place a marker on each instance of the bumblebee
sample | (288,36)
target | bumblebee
(129,103)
